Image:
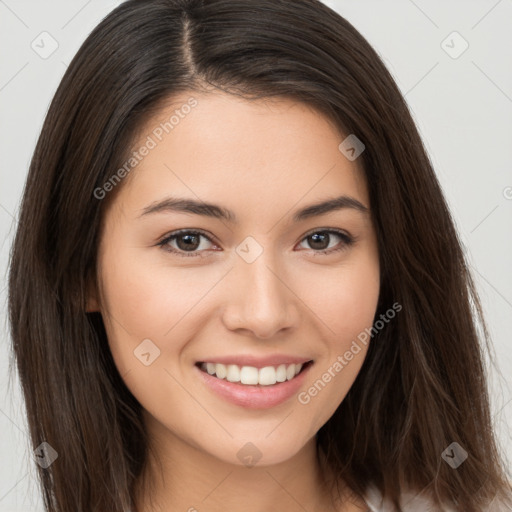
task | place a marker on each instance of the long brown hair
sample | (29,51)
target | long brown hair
(422,385)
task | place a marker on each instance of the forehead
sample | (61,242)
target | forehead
(250,153)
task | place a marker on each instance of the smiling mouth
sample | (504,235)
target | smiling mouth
(252,376)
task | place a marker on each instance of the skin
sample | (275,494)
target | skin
(263,160)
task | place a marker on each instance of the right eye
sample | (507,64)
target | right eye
(187,243)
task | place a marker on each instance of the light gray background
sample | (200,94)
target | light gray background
(462,106)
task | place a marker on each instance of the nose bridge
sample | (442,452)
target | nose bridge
(262,302)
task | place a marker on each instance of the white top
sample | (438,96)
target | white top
(413,502)
(409,501)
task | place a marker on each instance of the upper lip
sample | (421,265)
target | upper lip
(257,361)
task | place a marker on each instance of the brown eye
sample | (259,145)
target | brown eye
(325,241)
(186,243)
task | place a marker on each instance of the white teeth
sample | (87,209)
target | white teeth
(267,376)
(248,375)
(281,373)
(220,371)
(233,374)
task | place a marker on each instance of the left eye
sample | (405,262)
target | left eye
(320,241)
(188,243)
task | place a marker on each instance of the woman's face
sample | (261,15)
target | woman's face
(254,285)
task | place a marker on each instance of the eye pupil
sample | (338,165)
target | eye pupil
(320,238)
(188,246)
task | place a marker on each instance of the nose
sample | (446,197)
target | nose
(260,299)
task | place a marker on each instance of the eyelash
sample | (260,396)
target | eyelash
(347,241)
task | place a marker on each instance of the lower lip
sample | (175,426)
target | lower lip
(254,397)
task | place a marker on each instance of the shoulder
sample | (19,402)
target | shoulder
(411,501)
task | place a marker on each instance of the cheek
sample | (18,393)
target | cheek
(345,306)
(141,302)
(147,300)
(133,298)
(343,299)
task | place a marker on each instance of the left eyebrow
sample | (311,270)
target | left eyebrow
(330,205)
(174,204)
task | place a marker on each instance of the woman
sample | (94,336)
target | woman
(236,284)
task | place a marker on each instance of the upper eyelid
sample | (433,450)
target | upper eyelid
(174,234)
